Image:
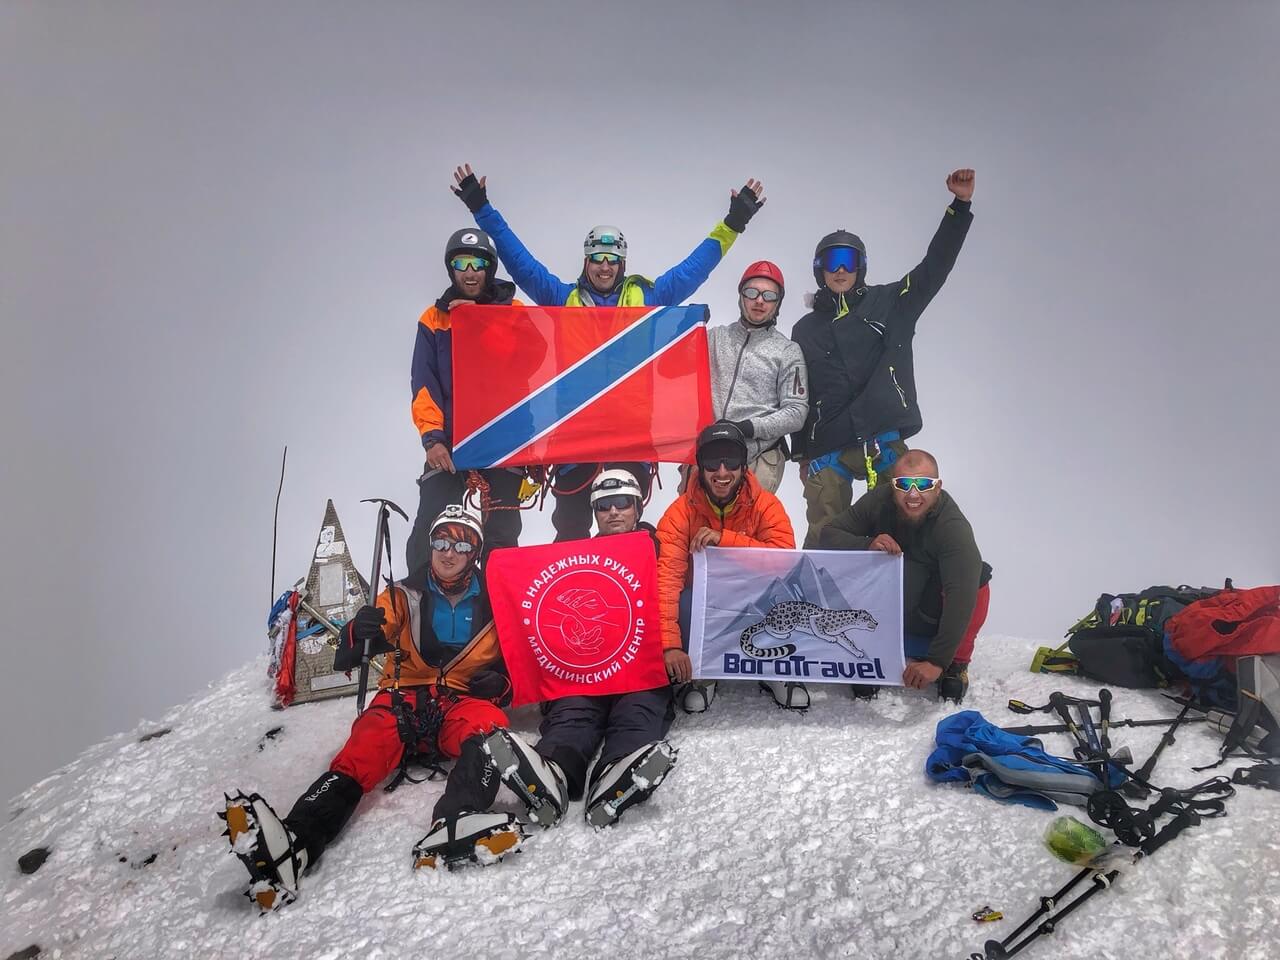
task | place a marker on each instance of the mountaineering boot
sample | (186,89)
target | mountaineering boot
(697,695)
(540,784)
(472,784)
(468,837)
(269,850)
(954,682)
(277,852)
(627,781)
(789,696)
(864,691)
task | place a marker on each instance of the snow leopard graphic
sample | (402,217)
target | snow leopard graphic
(833,626)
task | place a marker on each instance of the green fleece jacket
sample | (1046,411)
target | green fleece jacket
(940,560)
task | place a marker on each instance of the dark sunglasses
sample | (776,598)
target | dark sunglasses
(604,258)
(839,258)
(768,296)
(620,501)
(920,483)
(729,463)
(459,546)
(469,263)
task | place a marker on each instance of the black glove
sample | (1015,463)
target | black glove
(367,622)
(490,685)
(745,426)
(472,194)
(741,209)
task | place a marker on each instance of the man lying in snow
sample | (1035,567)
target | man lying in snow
(628,728)
(945,583)
(439,701)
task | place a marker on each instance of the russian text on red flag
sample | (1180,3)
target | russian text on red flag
(578,618)
(539,385)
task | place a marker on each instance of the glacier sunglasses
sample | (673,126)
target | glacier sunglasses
(619,501)
(468,262)
(459,546)
(768,296)
(920,483)
(838,258)
(605,258)
(715,463)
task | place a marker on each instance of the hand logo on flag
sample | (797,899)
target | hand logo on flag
(578,618)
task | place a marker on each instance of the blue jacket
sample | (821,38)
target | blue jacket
(548,290)
(1008,767)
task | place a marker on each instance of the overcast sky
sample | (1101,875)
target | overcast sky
(220,222)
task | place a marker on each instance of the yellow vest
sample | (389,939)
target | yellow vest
(631,294)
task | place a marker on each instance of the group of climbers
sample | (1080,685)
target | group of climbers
(839,396)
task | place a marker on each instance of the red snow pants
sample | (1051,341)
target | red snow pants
(964,652)
(374,748)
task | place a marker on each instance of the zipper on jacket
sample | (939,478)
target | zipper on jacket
(733,382)
(901,395)
(816,420)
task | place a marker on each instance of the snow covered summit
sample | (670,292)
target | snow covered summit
(777,835)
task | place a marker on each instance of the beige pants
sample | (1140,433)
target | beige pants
(827,494)
(768,468)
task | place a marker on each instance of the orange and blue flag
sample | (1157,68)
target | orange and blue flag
(547,385)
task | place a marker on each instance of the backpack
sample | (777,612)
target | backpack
(1121,640)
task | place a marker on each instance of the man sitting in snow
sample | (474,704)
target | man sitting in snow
(442,680)
(945,583)
(722,506)
(627,728)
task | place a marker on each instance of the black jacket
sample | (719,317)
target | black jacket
(942,568)
(858,350)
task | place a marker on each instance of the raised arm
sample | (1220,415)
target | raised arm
(544,287)
(680,282)
(922,284)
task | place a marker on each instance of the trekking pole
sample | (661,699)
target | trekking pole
(1090,731)
(1031,731)
(1018,706)
(1133,787)
(381,538)
(1059,704)
(1104,714)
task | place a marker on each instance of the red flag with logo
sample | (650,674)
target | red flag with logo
(578,618)
(534,385)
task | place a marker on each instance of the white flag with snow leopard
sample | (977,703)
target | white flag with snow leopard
(814,616)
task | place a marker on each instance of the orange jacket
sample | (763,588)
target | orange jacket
(404,612)
(755,518)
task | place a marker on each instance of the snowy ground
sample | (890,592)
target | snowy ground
(777,835)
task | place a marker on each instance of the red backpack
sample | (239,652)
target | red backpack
(1235,623)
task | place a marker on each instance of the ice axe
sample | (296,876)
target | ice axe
(381,541)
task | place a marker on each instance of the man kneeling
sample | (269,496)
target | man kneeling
(945,583)
(723,505)
(439,701)
(629,729)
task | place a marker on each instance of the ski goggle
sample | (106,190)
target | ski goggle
(458,546)
(604,258)
(619,501)
(715,463)
(920,483)
(839,258)
(469,262)
(768,296)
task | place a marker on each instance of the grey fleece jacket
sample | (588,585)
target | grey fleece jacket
(757,374)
